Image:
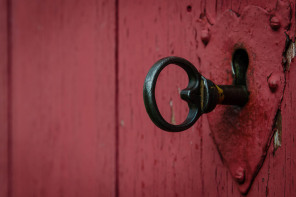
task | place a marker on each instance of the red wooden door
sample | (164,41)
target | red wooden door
(73,122)
(59,82)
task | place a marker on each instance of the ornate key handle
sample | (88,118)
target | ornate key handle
(201,94)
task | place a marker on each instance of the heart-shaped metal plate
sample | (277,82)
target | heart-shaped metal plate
(243,135)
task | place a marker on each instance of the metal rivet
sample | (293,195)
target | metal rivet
(273,82)
(275,23)
(240,175)
(205,36)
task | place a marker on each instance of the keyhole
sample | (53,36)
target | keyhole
(240,62)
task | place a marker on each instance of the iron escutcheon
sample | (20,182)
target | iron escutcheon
(242,134)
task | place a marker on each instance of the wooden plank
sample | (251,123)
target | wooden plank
(63,98)
(4,100)
(154,162)
(281,160)
(157,163)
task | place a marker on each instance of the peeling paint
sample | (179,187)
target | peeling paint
(122,123)
(288,53)
(173,121)
(288,56)
(179,90)
(277,138)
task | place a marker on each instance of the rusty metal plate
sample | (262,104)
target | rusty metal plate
(243,135)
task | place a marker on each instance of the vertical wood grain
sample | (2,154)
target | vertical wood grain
(64,107)
(156,163)
(4,100)
(63,98)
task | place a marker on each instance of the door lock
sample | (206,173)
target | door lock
(201,94)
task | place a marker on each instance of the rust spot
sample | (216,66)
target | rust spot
(221,94)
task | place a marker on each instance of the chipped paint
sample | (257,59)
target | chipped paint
(122,123)
(289,53)
(288,56)
(173,120)
(277,138)
(179,90)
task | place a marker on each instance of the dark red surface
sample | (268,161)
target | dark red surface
(72,118)
(62,110)
(242,135)
(156,163)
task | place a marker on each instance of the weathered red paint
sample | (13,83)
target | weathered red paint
(62,128)
(242,135)
(63,131)
(156,163)
(4,102)
(273,81)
